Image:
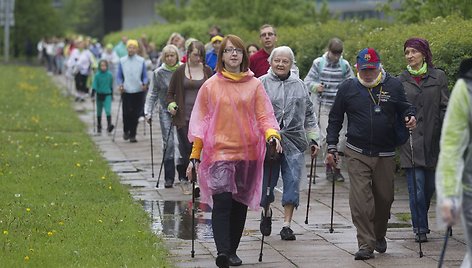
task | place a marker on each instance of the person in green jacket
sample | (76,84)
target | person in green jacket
(102,86)
(454,169)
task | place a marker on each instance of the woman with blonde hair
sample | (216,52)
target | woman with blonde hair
(157,96)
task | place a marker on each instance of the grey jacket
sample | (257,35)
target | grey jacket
(293,110)
(430,98)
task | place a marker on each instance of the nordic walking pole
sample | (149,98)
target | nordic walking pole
(194,178)
(443,251)
(266,205)
(319,112)
(331,230)
(117,116)
(415,187)
(309,184)
(152,148)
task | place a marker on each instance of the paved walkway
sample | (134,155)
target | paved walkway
(315,246)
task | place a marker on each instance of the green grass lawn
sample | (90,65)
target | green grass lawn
(60,204)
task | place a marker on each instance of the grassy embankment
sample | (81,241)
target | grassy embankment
(60,204)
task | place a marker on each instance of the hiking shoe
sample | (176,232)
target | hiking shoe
(364,254)
(133,139)
(287,234)
(421,237)
(381,245)
(126,136)
(329,176)
(168,184)
(266,223)
(222,260)
(110,128)
(99,130)
(338,176)
(234,260)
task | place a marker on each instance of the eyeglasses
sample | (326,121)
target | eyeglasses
(269,34)
(232,50)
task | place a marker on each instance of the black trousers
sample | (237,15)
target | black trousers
(228,218)
(81,83)
(185,148)
(132,106)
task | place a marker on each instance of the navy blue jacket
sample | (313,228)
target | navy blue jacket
(368,132)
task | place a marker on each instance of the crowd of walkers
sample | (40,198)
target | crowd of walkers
(242,117)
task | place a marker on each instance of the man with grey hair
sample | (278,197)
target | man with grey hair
(299,131)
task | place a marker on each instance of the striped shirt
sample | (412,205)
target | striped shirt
(331,74)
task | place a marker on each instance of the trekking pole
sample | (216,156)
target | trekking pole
(164,154)
(266,205)
(443,251)
(319,126)
(194,178)
(331,230)
(309,184)
(152,148)
(415,187)
(94,115)
(117,116)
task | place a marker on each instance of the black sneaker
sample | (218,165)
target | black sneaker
(234,260)
(110,128)
(222,260)
(287,234)
(364,254)
(381,245)
(421,237)
(126,136)
(266,223)
(99,130)
(133,139)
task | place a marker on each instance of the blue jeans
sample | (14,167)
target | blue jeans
(165,120)
(425,187)
(291,168)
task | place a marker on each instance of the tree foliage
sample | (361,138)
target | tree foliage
(413,11)
(247,14)
(34,20)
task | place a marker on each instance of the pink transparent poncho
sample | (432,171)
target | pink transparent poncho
(231,117)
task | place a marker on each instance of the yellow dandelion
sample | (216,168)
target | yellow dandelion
(32,250)
(109,187)
(72,175)
(61,223)
(26,258)
(100,221)
(103,177)
(77,165)
(5,232)
(50,233)
(28,209)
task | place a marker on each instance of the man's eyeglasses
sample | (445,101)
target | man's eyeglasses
(232,50)
(269,34)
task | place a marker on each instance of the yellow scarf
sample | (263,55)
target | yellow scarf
(233,76)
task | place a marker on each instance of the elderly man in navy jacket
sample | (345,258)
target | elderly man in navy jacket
(373,102)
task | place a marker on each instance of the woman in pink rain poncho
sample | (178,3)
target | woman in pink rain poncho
(231,120)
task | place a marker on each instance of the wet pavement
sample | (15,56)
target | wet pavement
(171,214)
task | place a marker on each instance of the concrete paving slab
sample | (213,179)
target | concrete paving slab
(170,212)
